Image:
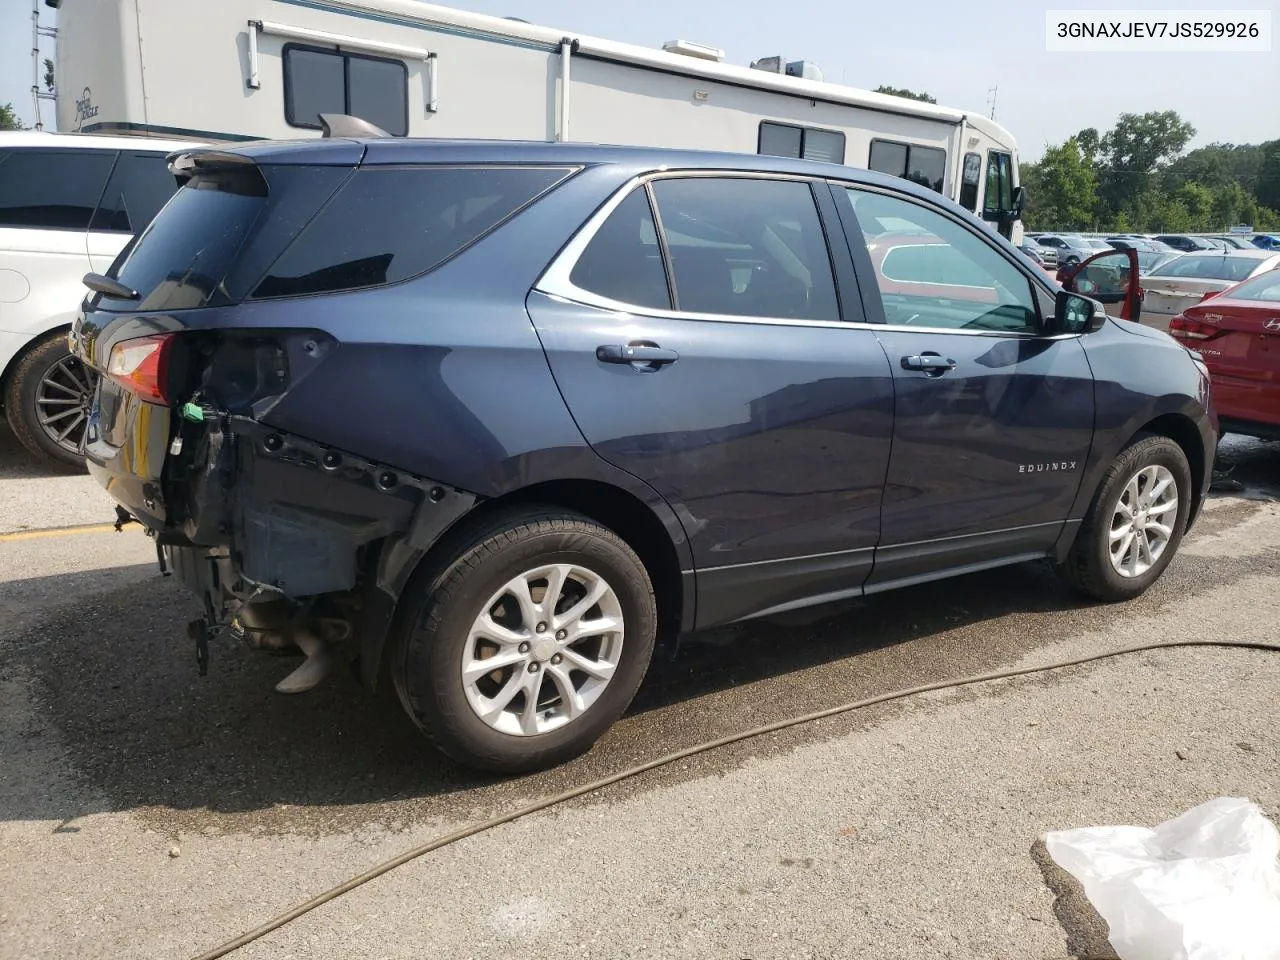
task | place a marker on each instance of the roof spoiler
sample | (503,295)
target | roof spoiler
(343,125)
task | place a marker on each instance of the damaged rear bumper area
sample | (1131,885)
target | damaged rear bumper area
(287,543)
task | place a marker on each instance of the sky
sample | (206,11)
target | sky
(956,50)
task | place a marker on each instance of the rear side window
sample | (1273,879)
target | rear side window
(139,186)
(623,260)
(926,166)
(387,225)
(51,189)
(320,81)
(1208,268)
(746,247)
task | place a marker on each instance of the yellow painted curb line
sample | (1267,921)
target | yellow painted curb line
(63,531)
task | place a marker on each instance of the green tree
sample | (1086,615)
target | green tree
(1268,188)
(9,119)
(1090,143)
(1199,202)
(48,75)
(1228,206)
(1134,150)
(1062,188)
(904,92)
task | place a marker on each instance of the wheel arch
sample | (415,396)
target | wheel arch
(621,510)
(61,326)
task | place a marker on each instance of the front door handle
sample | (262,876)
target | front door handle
(647,354)
(930,363)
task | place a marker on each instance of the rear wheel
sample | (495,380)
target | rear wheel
(530,644)
(47,401)
(1135,524)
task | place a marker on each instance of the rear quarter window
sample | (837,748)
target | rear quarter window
(388,225)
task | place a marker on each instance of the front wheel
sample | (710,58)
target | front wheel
(530,644)
(1135,523)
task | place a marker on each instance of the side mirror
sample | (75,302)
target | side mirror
(1073,313)
(1019,201)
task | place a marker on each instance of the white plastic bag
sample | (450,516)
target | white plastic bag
(1204,886)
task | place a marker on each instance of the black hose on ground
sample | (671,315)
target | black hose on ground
(387,866)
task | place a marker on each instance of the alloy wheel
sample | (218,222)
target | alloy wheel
(543,649)
(1142,521)
(62,401)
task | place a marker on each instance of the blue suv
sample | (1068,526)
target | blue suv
(489,419)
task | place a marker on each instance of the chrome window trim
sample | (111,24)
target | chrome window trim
(555,279)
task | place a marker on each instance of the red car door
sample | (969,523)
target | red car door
(1111,278)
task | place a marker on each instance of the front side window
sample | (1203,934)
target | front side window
(320,81)
(807,143)
(999,195)
(926,166)
(746,247)
(51,189)
(932,272)
(139,186)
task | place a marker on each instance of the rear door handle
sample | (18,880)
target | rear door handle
(637,353)
(929,362)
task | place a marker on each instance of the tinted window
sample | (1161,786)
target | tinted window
(999,194)
(51,189)
(970,180)
(181,258)
(809,143)
(746,247)
(939,274)
(1265,288)
(384,226)
(139,186)
(1214,267)
(623,261)
(323,81)
(926,166)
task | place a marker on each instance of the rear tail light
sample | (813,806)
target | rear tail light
(1187,329)
(141,366)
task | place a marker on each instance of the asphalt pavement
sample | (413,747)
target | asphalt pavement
(149,812)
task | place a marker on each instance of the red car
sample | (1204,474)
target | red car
(1238,333)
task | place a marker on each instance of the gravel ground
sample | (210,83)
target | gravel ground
(901,831)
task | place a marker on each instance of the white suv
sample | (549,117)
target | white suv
(68,204)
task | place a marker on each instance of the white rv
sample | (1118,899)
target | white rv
(253,69)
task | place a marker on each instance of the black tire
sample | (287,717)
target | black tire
(443,605)
(20,401)
(1088,566)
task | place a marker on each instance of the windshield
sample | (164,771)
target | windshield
(1264,288)
(1221,267)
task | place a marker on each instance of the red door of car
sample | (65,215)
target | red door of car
(1238,334)
(1111,278)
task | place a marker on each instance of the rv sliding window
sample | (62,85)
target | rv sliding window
(926,166)
(808,143)
(319,80)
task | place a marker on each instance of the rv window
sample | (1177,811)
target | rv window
(808,143)
(746,247)
(324,81)
(51,189)
(999,195)
(623,261)
(384,226)
(139,186)
(970,180)
(926,166)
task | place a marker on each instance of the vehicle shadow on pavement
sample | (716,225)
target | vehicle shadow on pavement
(115,696)
(16,463)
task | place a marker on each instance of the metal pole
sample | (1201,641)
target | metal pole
(35,60)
